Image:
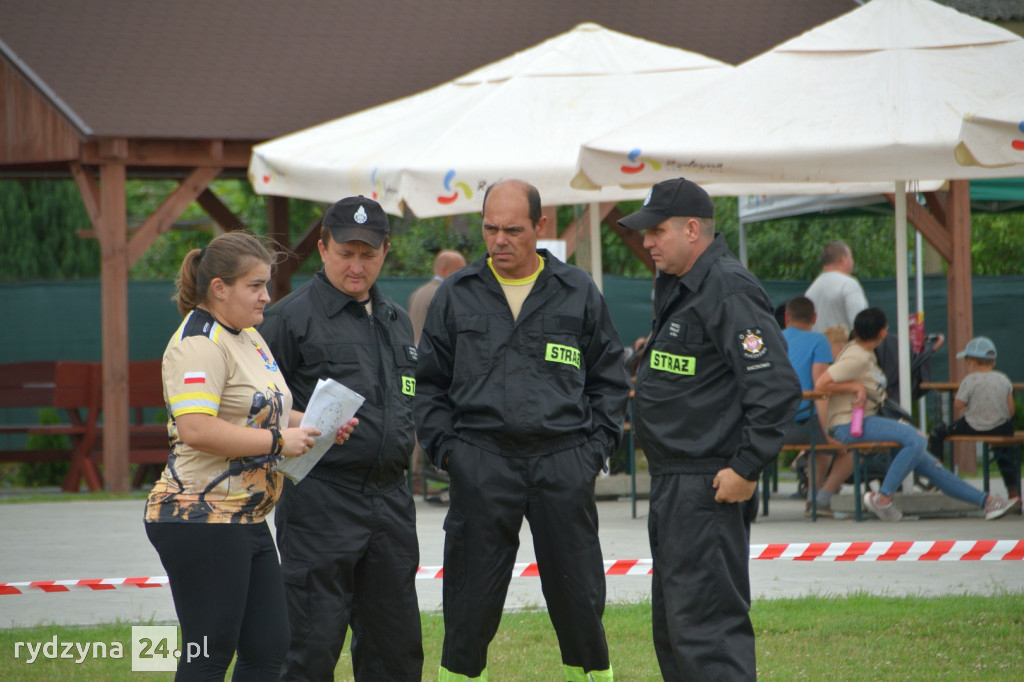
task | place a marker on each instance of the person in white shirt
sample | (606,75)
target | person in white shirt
(837,295)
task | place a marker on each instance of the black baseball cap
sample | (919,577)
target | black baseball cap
(357,219)
(668,199)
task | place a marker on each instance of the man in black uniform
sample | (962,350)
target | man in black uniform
(347,532)
(714,394)
(522,396)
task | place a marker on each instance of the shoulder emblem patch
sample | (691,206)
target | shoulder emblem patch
(751,343)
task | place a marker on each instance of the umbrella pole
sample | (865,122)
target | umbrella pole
(922,421)
(903,305)
(902,294)
(596,266)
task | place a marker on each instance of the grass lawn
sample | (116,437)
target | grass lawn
(27,495)
(859,637)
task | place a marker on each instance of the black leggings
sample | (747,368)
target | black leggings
(226,585)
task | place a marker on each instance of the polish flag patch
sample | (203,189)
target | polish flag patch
(195,377)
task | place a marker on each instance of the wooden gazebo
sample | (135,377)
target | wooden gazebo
(100,92)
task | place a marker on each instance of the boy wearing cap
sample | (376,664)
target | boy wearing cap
(715,391)
(347,533)
(985,403)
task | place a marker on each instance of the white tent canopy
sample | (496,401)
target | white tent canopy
(524,116)
(875,95)
(993,136)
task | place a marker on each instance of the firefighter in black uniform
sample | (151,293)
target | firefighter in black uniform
(521,397)
(714,394)
(347,532)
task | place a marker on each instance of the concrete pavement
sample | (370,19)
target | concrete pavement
(98,539)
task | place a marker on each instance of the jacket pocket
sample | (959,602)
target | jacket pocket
(295,576)
(473,355)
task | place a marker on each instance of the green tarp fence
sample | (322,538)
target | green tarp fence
(61,320)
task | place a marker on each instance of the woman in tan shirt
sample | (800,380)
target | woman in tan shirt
(856,380)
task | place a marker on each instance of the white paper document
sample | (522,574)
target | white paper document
(330,407)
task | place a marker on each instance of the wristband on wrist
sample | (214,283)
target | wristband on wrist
(277,444)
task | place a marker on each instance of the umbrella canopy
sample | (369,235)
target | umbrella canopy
(524,116)
(877,94)
(993,136)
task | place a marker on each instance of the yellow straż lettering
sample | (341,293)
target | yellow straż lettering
(676,364)
(567,355)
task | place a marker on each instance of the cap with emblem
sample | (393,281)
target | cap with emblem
(980,347)
(357,219)
(668,199)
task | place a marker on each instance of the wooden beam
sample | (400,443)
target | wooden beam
(958,275)
(958,294)
(89,189)
(220,213)
(930,227)
(937,205)
(570,235)
(305,245)
(279,232)
(178,153)
(164,216)
(113,228)
(633,240)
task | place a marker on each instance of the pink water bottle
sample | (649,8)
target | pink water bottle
(857,422)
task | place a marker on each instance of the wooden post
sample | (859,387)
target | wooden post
(278,231)
(958,294)
(113,235)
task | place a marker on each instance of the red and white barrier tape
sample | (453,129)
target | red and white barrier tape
(941,550)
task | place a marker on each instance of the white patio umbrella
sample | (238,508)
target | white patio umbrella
(993,136)
(876,95)
(524,116)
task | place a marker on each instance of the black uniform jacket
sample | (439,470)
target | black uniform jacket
(714,387)
(548,381)
(318,331)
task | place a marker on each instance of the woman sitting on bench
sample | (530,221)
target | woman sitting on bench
(856,381)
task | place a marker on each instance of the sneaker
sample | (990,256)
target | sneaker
(886,513)
(997,507)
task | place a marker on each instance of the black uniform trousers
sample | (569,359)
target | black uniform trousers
(490,494)
(700,596)
(349,559)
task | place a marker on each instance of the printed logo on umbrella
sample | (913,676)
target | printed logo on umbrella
(634,158)
(378,188)
(454,188)
(1019,144)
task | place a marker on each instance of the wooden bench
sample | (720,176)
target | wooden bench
(148,445)
(988,442)
(860,450)
(70,387)
(76,388)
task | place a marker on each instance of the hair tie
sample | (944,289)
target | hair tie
(202,252)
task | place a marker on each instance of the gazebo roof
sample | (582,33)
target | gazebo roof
(256,69)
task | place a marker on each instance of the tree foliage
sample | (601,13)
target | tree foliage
(40,222)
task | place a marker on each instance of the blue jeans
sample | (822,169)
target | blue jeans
(912,457)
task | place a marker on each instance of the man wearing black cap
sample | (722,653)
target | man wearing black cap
(522,397)
(714,393)
(347,532)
